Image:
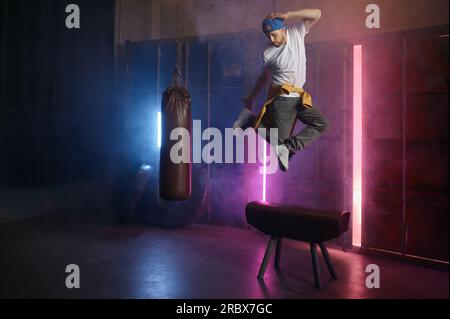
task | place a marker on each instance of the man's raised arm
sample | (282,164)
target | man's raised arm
(310,16)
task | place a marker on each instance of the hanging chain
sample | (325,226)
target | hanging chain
(177,77)
(178,40)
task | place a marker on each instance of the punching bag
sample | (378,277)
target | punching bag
(175,178)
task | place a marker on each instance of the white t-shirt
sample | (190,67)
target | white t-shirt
(287,63)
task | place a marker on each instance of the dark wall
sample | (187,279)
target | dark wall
(406,143)
(215,101)
(57,106)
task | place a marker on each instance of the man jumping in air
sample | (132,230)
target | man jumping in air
(285,63)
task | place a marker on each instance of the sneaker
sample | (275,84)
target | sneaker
(283,157)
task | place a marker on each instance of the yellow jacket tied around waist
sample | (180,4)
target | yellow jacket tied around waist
(275,91)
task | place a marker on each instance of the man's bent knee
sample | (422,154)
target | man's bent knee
(326,125)
(323,125)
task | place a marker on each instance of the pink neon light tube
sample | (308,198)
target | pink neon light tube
(357,145)
(264,173)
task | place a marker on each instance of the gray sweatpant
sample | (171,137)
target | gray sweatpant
(282,114)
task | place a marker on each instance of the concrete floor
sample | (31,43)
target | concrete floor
(200,261)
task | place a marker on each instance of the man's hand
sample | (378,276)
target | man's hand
(310,16)
(274,15)
(245,120)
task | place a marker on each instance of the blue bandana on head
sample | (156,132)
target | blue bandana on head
(270,25)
